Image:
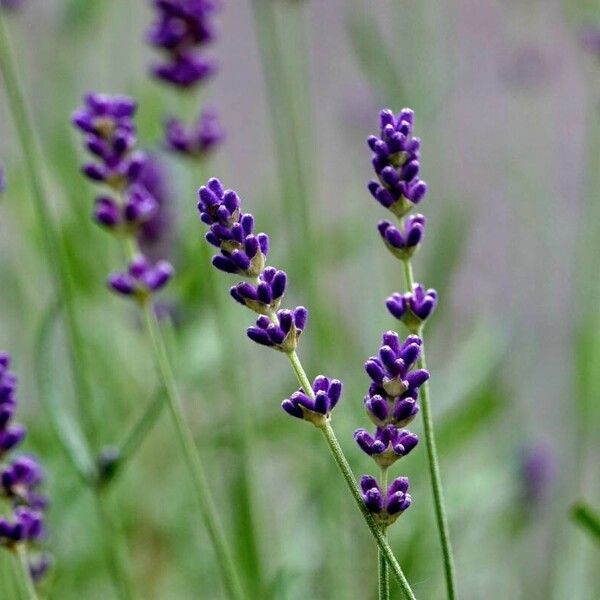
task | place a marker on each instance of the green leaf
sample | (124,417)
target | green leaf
(67,431)
(587,518)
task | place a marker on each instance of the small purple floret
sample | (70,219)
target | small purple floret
(326,394)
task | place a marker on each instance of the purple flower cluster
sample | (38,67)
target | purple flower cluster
(110,135)
(141,278)
(20,478)
(197,140)
(182,29)
(391,404)
(396,163)
(244,253)
(386,506)
(413,308)
(326,394)
(403,242)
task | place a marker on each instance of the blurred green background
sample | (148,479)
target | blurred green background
(507,105)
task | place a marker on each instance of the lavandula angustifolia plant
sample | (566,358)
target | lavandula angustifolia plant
(243,252)
(110,135)
(20,479)
(396,161)
(391,404)
(59,270)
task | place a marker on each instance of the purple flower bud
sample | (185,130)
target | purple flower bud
(413,308)
(326,393)
(142,278)
(387,509)
(283,334)
(388,445)
(391,370)
(107,122)
(195,141)
(11,437)
(181,30)
(396,163)
(403,243)
(265,296)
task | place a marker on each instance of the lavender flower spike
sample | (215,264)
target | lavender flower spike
(388,445)
(386,509)
(198,140)
(326,394)
(403,243)
(182,28)
(413,308)
(141,279)
(283,334)
(396,163)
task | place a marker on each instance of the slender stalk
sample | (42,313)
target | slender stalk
(380,538)
(113,546)
(383,571)
(346,471)
(24,574)
(433,462)
(52,243)
(191,456)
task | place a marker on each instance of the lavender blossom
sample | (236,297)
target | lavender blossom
(386,508)
(265,296)
(403,243)
(396,163)
(326,394)
(26,526)
(589,39)
(281,333)
(138,208)
(21,477)
(141,279)
(413,308)
(198,140)
(230,230)
(242,252)
(110,135)
(387,445)
(181,30)
(107,122)
(391,371)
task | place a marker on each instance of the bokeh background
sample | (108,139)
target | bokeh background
(507,101)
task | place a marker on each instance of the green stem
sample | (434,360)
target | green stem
(191,456)
(24,573)
(433,462)
(114,550)
(52,241)
(346,471)
(383,571)
(380,538)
